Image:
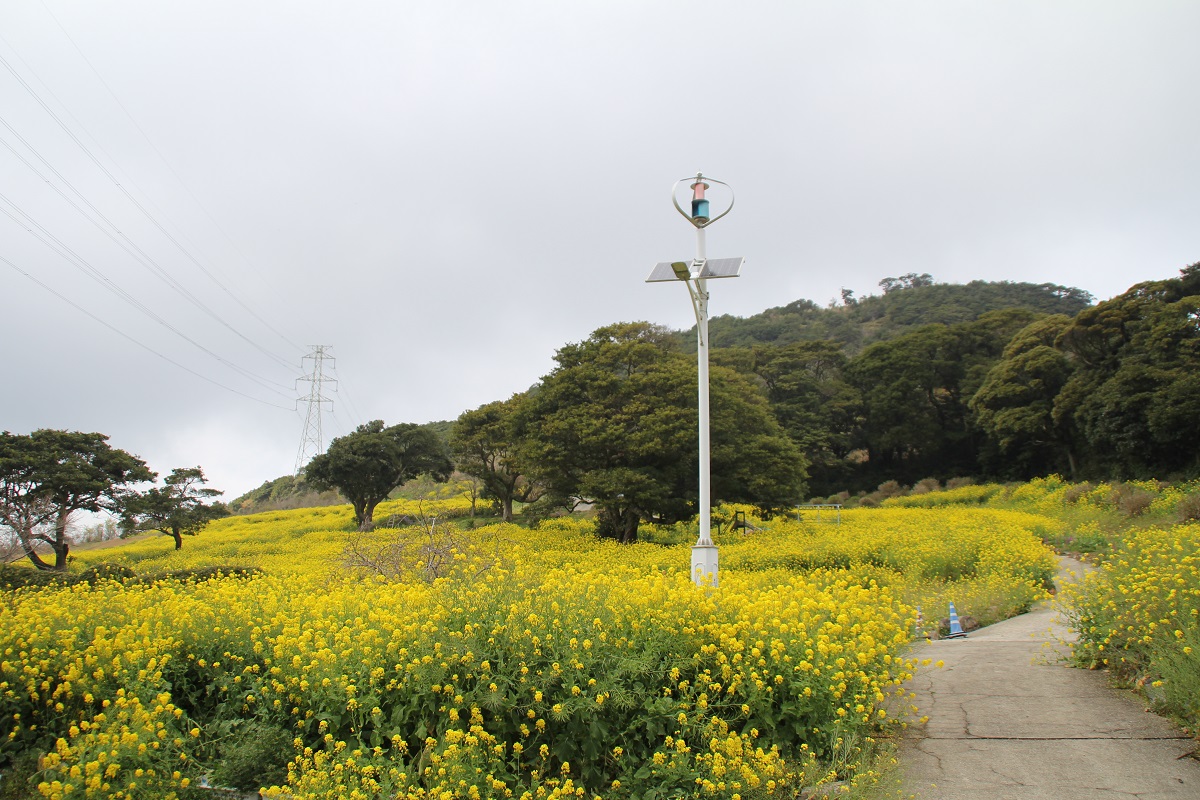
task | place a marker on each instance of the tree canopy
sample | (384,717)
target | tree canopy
(1015,405)
(1134,395)
(177,509)
(48,475)
(614,424)
(486,443)
(366,465)
(908,302)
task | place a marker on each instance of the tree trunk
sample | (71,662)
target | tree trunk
(36,559)
(629,527)
(506,512)
(178,538)
(364,515)
(61,550)
(618,523)
(61,546)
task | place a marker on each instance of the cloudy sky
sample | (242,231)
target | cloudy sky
(194,194)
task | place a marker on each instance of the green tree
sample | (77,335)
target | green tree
(1135,395)
(908,303)
(1015,405)
(614,424)
(48,475)
(910,408)
(915,389)
(807,390)
(177,509)
(909,281)
(485,443)
(366,465)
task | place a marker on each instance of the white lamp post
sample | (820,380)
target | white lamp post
(695,277)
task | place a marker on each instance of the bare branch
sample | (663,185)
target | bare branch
(425,550)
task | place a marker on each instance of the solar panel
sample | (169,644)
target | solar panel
(722,267)
(713,268)
(664,271)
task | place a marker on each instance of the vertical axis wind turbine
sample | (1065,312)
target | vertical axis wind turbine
(695,277)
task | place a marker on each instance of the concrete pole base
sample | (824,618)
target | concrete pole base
(704,564)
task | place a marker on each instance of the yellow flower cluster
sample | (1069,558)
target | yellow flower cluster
(990,562)
(961,495)
(515,682)
(1169,497)
(1140,615)
(269,541)
(126,750)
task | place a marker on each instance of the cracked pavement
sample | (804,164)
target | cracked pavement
(1008,721)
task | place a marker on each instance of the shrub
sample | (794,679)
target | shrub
(925,486)
(1132,501)
(958,483)
(1073,493)
(107,571)
(1188,508)
(253,756)
(201,574)
(18,577)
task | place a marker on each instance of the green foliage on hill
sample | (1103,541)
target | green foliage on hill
(1111,393)
(906,304)
(286,491)
(992,380)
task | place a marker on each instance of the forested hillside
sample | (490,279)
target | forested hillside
(906,303)
(985,380)
(995,380)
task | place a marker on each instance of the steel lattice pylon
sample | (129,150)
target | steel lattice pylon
(311,441)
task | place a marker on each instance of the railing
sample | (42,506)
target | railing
(819,507)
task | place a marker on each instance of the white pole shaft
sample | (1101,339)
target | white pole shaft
(702,372)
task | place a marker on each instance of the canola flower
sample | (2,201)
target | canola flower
(1139,614)
(513,681)
(1053,493)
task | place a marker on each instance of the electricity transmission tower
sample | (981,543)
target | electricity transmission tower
(311,442)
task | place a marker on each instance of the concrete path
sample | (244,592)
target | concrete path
(1008,721)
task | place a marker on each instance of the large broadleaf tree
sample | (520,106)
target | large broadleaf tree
(367,464)
(614,425)
(49,475)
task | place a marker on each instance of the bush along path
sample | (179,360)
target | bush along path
(1006,719)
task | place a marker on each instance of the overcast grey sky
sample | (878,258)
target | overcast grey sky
(446,192)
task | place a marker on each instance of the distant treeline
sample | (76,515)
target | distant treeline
(991,380)
(988,380)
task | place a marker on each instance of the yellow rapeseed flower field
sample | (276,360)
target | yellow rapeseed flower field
(1139,614)
(535,663)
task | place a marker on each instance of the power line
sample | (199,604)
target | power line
(312,419)
(145,212)
(161,158)
(140,344)
(120,238)
(55,244)
(140,256)
(356,417)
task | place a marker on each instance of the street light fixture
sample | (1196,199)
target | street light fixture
(695,276)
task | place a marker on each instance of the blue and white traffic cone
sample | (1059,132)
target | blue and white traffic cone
(956,631)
